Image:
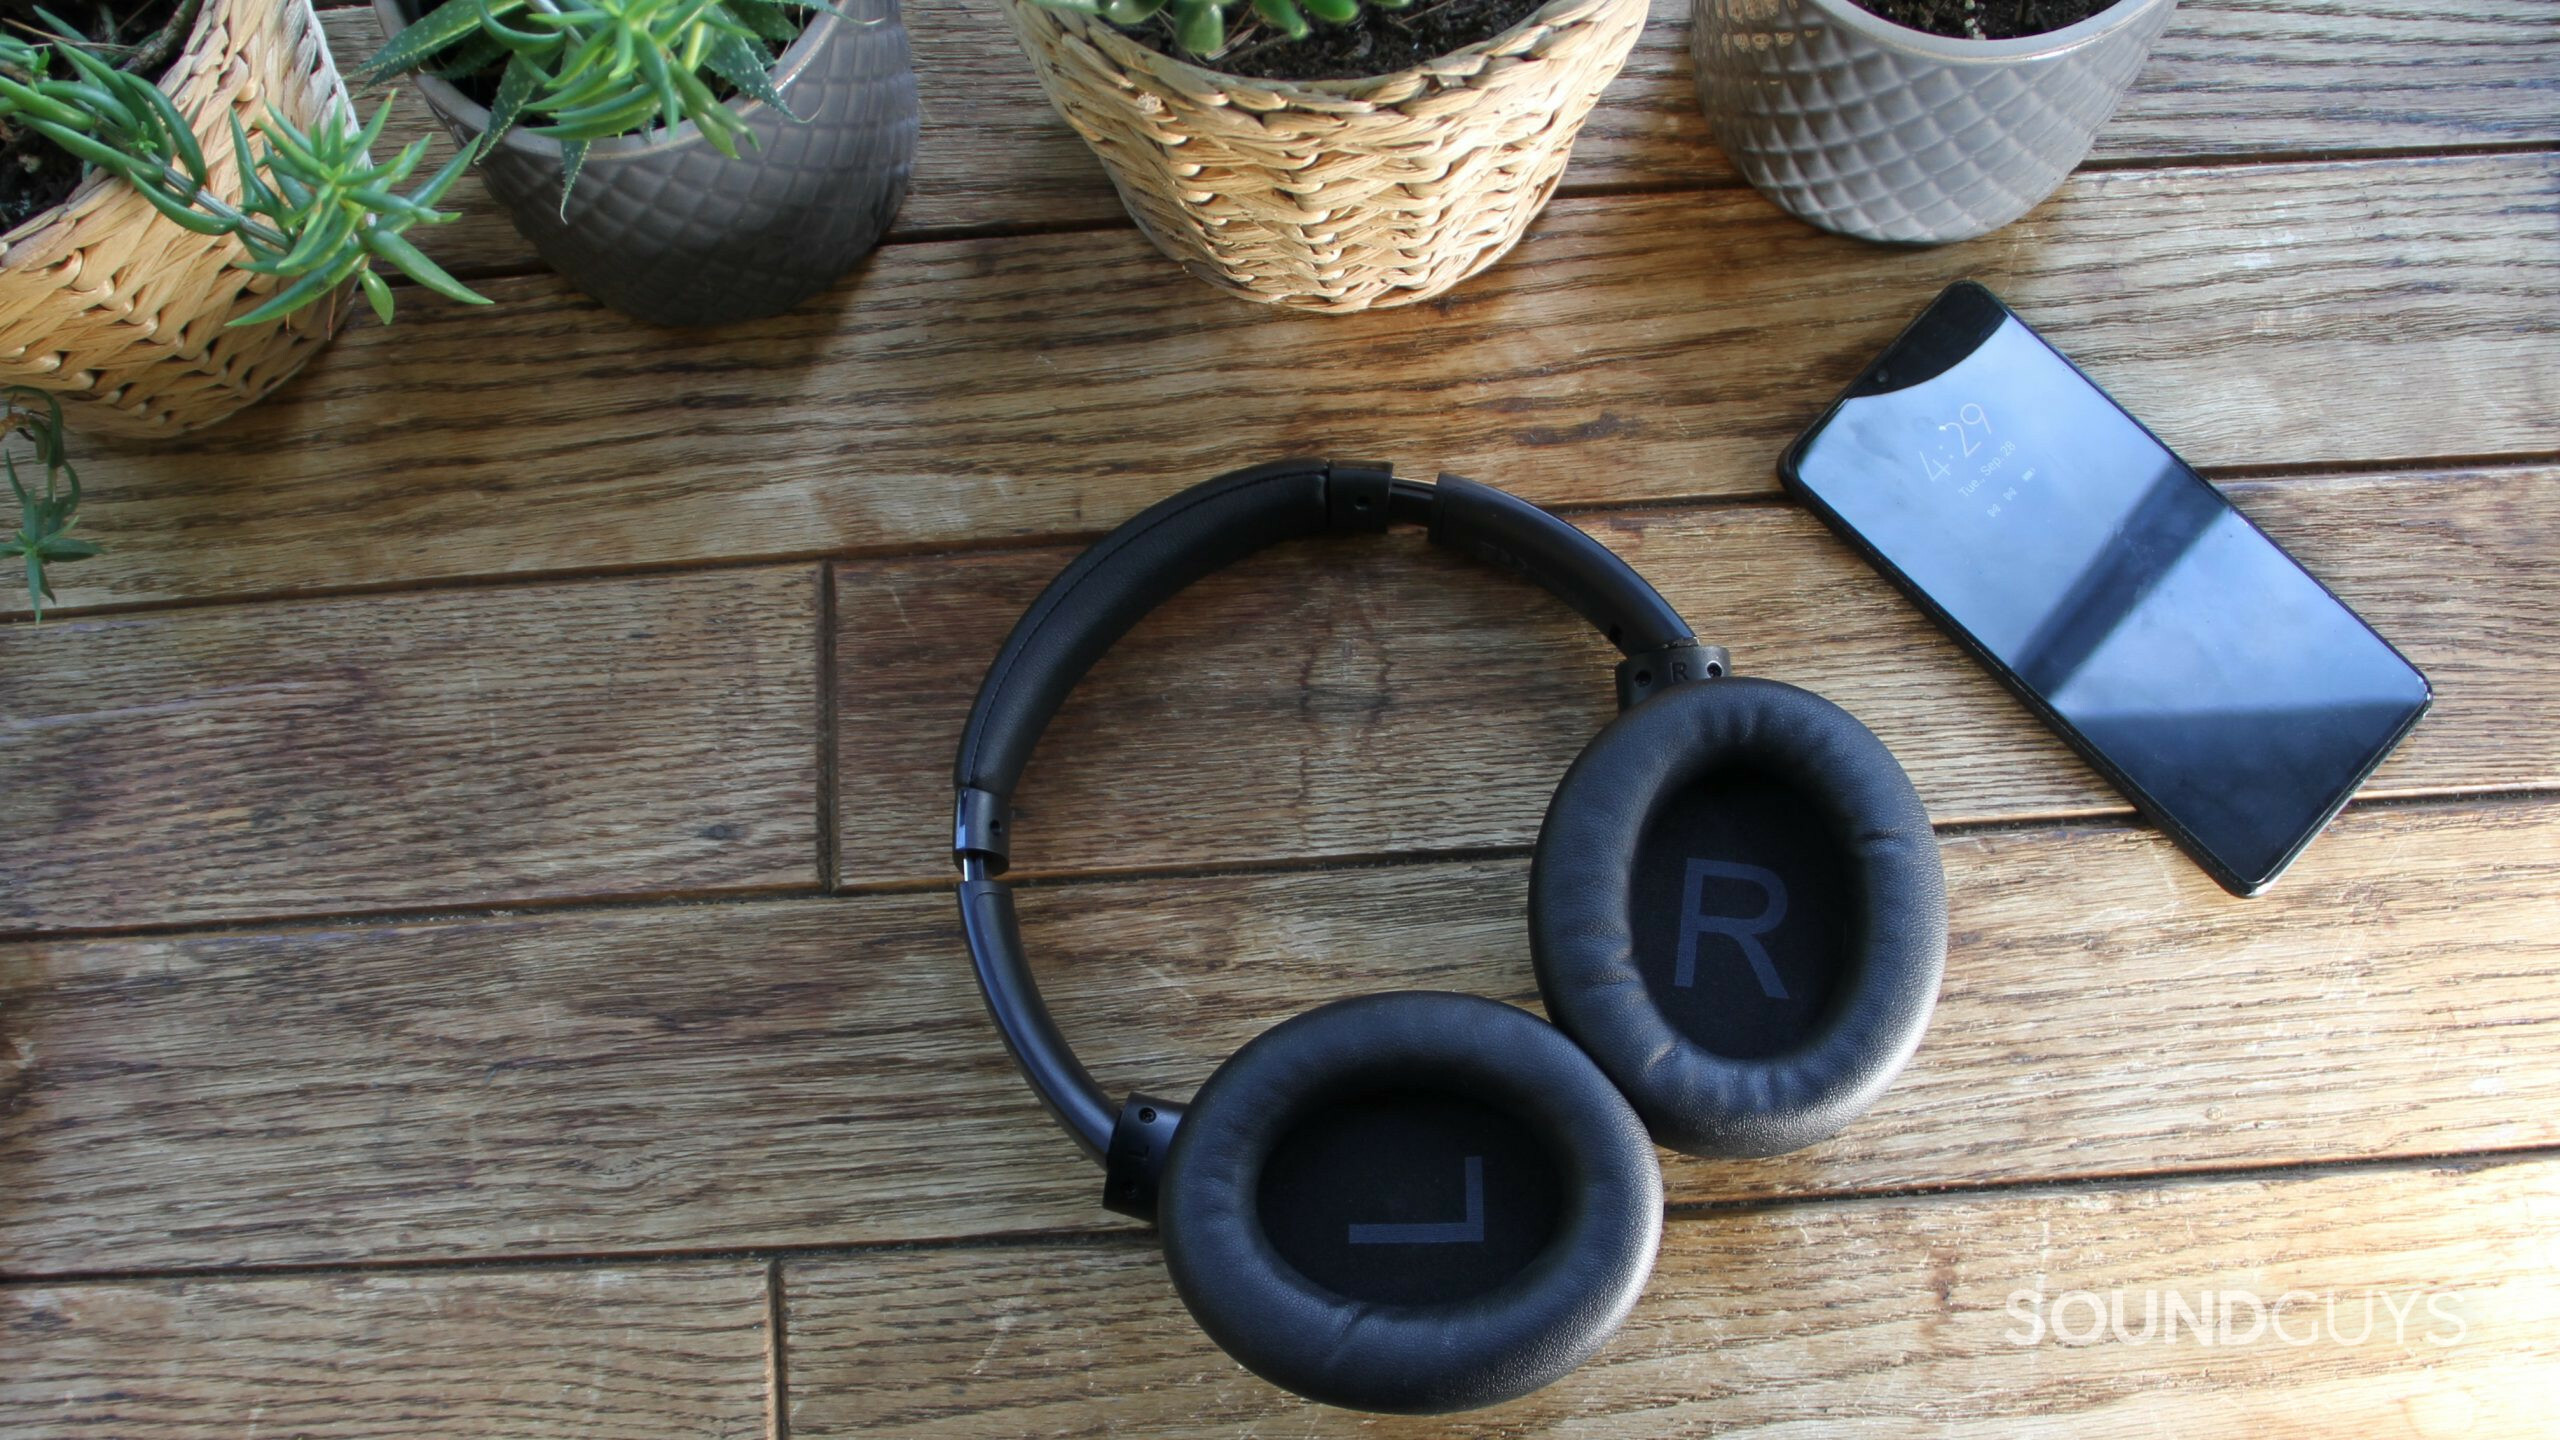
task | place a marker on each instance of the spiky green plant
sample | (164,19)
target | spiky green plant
(579,71)
(1200,26)
(313,211)
(45,512)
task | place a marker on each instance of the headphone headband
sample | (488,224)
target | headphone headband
(1139,566)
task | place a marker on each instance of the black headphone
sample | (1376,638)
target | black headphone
(1422,1202)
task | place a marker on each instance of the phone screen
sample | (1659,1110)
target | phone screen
(2233,698)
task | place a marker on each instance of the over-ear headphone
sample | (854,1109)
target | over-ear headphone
(1422,1202)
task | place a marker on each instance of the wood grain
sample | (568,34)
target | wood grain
(1872,1316)
(1352,697)
(480,746)
(822,1072)
(667,1351)
(2230,78)
(1043,386)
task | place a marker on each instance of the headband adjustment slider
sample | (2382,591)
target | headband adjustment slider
(1682,662)
(1357,496)
(1134,1164)
(977,829)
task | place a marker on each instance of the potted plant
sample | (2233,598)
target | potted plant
(1376,157)
(683,161)
(148,281)
(1915,120)
(197,290)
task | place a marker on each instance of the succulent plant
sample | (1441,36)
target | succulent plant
(45,512)
(578,71)
(1200,26)
(313,211)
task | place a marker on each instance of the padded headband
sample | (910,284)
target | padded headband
(1139,566)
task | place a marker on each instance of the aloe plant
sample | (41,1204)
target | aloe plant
(313,210)
(578,71)
(1200,26)
(45,510)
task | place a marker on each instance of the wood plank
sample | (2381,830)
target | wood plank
(604,738)
(1040,386)
(822,1072)
(1887,1316)
(2230,78)
(666,1351)
(1321,685)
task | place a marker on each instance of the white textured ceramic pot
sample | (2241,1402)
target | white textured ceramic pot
(1877,130)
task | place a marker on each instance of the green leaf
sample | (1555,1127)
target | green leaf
(291,298)
(138,170)
(1333,11)
(442,181)
(1284,16)
(1131,12)
(514,89)
(413,46)
(36,104)
(765,19)
(99,101)
(46,431)
(537,40)
(254,193)
(573,158)
(181,135)
(413,262)
(1201,28)
(376,293)
(470,56)
(182,214)
(730,58)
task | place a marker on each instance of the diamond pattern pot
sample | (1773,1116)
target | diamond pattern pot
(669,230)
(1872,129)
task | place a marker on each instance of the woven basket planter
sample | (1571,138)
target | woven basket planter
(106,303)
(1336,195)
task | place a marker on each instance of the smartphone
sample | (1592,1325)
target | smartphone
(2230,696)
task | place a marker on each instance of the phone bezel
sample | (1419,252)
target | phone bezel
(1969,303)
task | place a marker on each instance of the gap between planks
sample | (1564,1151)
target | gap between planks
(774,1258)
(2227,478)
(1024,879)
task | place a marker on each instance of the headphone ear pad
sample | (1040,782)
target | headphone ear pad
(1415,1203)
(1737,909)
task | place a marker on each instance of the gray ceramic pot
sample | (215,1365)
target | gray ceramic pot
(1876,130)
(667,229)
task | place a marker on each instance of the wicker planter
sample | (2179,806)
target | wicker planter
(667,229)
(106,303)
(1876,130)
(1335,195)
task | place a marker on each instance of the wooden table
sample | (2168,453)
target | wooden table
(480,959)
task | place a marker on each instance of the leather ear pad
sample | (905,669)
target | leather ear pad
(1415,1202)
(1737,909)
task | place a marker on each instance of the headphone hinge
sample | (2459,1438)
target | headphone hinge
(977,829)
(1135,1161)
(1683,662)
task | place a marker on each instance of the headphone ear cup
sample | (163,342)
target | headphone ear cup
(1737,909)
(1414,1203)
